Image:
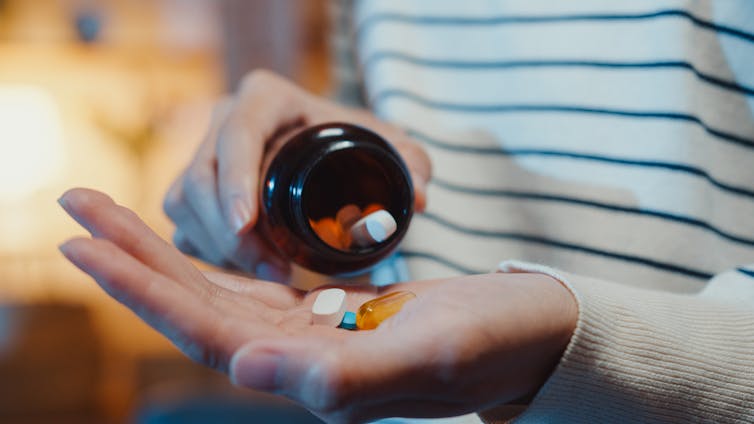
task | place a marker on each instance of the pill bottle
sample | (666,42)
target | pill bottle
(321,171)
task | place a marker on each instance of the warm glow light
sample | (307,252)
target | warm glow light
(31,141)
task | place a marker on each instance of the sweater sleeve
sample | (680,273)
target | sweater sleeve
(646,356)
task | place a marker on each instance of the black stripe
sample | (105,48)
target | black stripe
(447,262)
(530,238)
(499,151)
(746,272)
(370,62)
(539,108)
(375,19)
(591,203)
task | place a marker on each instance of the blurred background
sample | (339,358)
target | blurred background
(115,95)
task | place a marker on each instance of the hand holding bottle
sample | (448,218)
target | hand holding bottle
(214,203)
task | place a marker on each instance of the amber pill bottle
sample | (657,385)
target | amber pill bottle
(318,171)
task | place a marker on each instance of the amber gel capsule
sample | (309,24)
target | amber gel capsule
(373,312)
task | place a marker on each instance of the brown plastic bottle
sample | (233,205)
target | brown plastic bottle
(317,172)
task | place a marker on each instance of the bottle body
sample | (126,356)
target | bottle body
(319,176)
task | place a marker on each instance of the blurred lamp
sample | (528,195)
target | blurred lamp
(31,141)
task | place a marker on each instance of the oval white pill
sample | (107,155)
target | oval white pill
(329,307)
(373,228)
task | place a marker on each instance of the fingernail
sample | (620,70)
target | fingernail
(62,202)
(241,215)
(63,248)
(256,370)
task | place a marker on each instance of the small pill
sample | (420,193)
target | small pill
(329,307)
(349,321)
(348,215)
(372,313)
(373,228)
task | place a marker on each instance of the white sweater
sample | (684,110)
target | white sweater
(613,140)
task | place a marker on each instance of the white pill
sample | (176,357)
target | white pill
(329,307)
(373,228)
(348,215)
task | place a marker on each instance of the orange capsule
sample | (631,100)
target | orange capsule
(328,231)
(370,208)
(372,313)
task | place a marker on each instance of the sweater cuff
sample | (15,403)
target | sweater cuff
(644,356)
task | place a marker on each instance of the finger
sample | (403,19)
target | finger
(195,324)
(256,256)
(272,294)
(190,236)
(327,376)
(165,305)
(103,218)
(249,253)
(198,194)
(193,203)
(266,104)
(188,247)
(218,246)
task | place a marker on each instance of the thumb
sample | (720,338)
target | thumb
(326,375)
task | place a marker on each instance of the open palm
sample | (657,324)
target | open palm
(462,345)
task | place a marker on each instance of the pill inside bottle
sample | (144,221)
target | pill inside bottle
(353,228)
(372,313)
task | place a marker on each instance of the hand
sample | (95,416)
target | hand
(462,345)
(214,202)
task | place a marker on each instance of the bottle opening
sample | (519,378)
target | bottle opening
(354,199)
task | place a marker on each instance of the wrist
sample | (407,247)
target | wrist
(549,314)
(559,313)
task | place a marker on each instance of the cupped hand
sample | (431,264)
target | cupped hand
(463,345)
(214,202)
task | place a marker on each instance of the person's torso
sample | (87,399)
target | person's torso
(611,139)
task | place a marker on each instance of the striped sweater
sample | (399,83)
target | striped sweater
(612,142)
